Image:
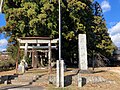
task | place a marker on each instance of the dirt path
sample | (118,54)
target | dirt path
(11,72)
(111,69)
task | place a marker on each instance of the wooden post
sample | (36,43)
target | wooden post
(17,59)
(49,57)
(36,59)
(93,61)
(33,59)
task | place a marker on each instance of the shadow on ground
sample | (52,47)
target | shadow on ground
(69,78)
(7,79)
(22,87)
(99,71)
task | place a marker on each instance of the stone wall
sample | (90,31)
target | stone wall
(85,80)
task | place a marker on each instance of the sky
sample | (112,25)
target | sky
(111,14)
(3,40)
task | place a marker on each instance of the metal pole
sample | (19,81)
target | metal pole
(59,31)
(61,62)
(59,44)
(1,6)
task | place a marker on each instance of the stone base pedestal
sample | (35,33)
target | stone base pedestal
(85,72)
(60,73)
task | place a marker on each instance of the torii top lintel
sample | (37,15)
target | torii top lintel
(37,40)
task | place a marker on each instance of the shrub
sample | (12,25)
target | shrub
(7,64)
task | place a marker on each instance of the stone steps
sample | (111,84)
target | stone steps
(26,78)
(21,83)
(21,80)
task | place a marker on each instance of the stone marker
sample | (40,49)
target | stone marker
(79,80)
(60,73)
(83,63)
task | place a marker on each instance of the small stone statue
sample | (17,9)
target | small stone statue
(22,66)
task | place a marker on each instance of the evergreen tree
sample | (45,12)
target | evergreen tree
(103,42)
(40,18)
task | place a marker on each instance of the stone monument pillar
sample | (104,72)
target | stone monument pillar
(83,63)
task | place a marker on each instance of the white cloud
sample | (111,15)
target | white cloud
(3,42)
(115,34)
(115,29)
(111,24)
(105,6)
(2,49)
(116,39)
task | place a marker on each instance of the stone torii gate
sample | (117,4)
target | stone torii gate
(31,43)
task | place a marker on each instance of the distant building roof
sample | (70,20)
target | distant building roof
(116,52)
(118,48)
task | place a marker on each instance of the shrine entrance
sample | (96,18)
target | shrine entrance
(39,58)
(38,50)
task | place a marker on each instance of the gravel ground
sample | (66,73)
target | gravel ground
(109,73)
